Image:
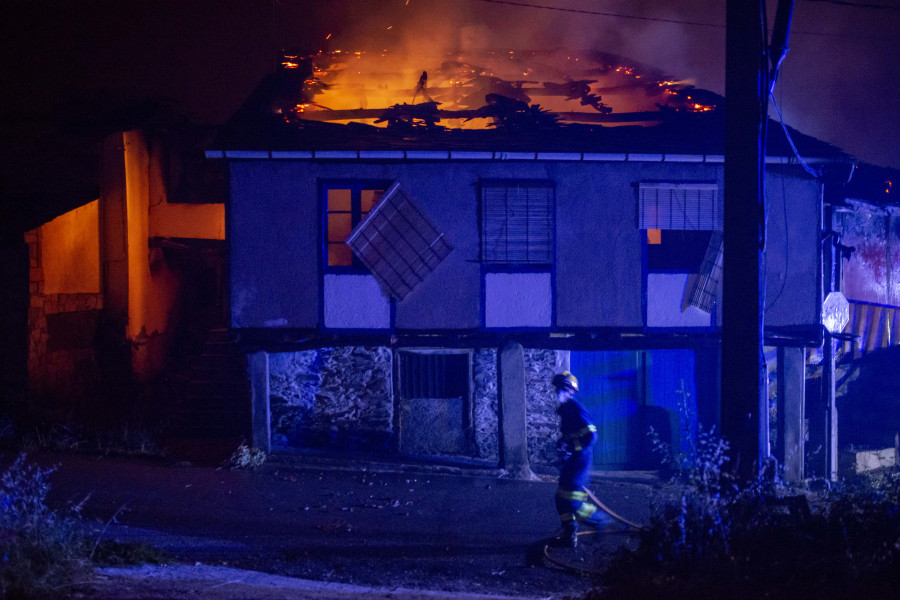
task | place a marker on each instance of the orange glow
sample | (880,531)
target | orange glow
(70,252)
(459,83)
(654,236)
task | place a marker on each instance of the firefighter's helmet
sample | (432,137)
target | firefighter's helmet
(565,381)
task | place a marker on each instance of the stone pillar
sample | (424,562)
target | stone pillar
(511,393)
(260,417)
(790,445)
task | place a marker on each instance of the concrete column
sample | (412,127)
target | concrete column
(260,417)
(511,393)
(790,444)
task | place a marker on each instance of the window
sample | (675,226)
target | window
(434,407)
(398,243)
(679,219)
(517,223)
(346,204)
(684,250)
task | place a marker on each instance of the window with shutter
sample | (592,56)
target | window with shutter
(517,223)
(679,219)
(684,251)
(398,243)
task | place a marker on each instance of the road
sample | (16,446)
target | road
(379,527)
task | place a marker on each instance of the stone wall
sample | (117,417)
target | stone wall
(332,398)
(342,398)
(541,419)
(540,398)
(484,397)
(62,363)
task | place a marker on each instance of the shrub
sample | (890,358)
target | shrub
(39,548)
(711,537)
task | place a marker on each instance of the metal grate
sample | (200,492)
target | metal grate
(433,375)
(398,243)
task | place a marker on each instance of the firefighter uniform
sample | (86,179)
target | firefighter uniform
(578,434)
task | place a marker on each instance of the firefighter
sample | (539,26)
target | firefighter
(577,436)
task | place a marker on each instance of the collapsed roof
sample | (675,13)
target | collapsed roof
(508,101)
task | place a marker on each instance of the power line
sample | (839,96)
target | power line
(867,38)
(857,4)
(603,14)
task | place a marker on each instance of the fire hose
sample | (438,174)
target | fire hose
(603,507)
(610,511)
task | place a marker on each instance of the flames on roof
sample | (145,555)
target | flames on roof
(488,89)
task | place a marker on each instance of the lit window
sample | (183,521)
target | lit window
(517,223)
(346,204)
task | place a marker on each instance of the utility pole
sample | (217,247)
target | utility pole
(744,394)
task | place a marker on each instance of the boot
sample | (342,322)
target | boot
(568,538)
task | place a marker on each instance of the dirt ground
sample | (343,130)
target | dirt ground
(300,528)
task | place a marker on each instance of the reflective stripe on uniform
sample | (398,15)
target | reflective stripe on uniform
(571,495)
(585,510)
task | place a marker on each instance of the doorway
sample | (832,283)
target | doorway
(631,393)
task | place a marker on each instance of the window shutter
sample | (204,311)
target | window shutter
(702,293)
(516,224)
(678,206)
(398,243)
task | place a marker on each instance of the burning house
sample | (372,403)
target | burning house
(414,252)
(413,247)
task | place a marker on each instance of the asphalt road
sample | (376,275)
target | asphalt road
(381,528)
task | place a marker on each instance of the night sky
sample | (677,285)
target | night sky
(64,59)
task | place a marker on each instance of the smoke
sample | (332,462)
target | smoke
(838,82)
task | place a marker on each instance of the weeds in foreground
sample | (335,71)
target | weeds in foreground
(124,441)
(40,548)
(42,551)
(714,537)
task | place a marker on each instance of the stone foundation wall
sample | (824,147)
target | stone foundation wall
(540,398)
(332,398)
(541,420)
(485,404)
(342,398)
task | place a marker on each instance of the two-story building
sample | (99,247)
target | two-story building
(411,289)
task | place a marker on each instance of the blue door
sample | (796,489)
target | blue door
(629,392)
